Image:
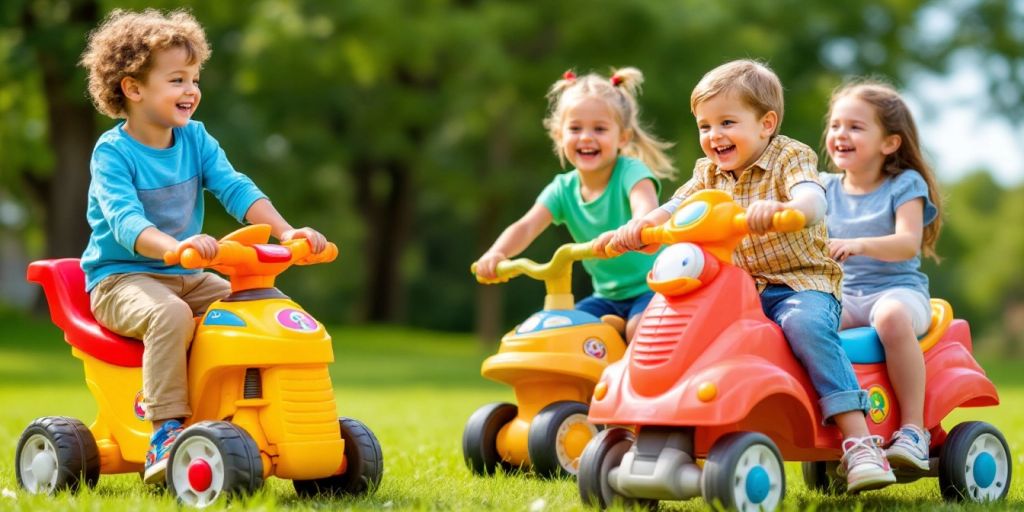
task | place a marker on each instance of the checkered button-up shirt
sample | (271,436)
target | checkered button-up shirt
(800,259)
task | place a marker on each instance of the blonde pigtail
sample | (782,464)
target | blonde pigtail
(643,145)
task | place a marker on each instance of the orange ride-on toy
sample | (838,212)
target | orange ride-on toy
(258,383)
(708,376)
(552,361)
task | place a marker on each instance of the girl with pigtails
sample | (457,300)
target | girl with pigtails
(594,124)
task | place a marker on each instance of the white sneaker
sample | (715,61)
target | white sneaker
(864,464)
(908,448)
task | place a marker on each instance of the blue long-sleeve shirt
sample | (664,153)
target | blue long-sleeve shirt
(135,186)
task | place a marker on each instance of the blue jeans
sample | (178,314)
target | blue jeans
(626,308)
(810,321)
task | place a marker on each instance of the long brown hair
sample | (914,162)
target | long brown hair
(895,119)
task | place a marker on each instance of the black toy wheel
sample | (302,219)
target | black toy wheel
(213,459)
(744,471)
(480,436)
(602,454)
(364,461)
(557,437)
(975,463)
(56,453)
(821,476)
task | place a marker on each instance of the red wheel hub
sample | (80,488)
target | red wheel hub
(200,475)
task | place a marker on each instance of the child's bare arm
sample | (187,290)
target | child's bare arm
(628,237)
(899,246)
(643,198)
(514,239)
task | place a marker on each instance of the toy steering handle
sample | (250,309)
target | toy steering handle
(232,253)
(785,221)
(562,259)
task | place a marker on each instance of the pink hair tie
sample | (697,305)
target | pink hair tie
(616,80)
(569,75)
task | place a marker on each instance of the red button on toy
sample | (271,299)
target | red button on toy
(272,253)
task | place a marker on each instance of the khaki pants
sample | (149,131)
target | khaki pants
(159,310)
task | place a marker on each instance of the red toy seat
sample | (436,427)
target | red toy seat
(64,284)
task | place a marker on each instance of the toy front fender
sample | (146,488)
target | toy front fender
(722,393)
(957,387)
(954,380)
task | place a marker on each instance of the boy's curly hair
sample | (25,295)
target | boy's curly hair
(123,45)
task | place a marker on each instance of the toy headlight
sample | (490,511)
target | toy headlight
(690,214)
(681,268)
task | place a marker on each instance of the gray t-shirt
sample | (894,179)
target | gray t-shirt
(873,215)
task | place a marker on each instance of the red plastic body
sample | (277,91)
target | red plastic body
(718,334)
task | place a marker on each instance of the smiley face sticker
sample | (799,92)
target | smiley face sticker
(595,348)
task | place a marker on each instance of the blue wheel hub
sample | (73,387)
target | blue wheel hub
(758,484)
(984,470)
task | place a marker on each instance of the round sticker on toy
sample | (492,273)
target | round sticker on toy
(140,407)
(296,320)
(878,401)
(595,348)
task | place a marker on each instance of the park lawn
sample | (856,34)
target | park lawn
(414,389)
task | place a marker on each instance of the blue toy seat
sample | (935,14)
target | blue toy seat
(862,345)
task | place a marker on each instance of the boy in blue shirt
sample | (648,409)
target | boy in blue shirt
(146,198)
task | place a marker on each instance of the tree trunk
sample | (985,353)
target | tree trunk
(72,134)
(71,131)
(489,298)
(388,219)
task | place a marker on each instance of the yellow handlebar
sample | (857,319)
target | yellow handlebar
(560,261)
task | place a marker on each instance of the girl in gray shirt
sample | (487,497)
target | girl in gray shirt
(883,212)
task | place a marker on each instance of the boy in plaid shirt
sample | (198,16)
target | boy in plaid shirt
(738,107)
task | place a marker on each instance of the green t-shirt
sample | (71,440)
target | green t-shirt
(618,278)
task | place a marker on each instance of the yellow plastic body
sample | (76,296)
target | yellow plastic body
(294,422)
(294,419)
(549,365)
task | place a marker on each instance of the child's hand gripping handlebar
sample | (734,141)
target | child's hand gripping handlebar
(783,221)
(234,254)
(556,274)
(563,258)
(711,218)
(249,261)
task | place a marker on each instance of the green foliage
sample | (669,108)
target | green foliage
(982,245)
(409,131)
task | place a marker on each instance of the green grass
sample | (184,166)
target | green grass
(414,389)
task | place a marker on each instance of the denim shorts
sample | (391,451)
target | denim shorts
(626,308)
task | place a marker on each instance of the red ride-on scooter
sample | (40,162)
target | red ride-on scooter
(708,376)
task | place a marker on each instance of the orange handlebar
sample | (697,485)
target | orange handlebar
(302,253)
(784,221)
(232,253)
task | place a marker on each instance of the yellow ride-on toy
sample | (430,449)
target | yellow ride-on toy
(258,383)
(552,361)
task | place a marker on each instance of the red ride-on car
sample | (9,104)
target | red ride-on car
(708,376)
